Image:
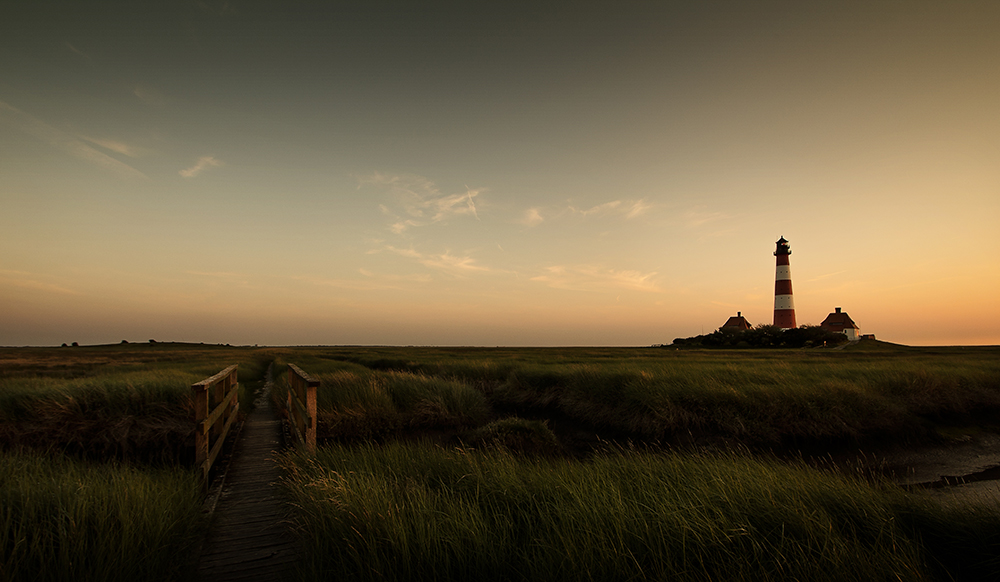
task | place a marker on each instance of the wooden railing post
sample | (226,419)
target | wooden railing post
(302,407)
(201,409)
(216,406)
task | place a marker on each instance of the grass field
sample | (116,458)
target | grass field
(95,453)
(505,501)
(761,399)
(66,519)
(130,402)
(456,463)
(418,512)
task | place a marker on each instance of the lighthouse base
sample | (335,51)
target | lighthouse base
(784,318)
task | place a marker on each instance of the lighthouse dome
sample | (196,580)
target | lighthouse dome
(782,247)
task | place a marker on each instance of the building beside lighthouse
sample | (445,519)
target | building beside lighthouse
(840,322)
(732,334)
(737,323)
(784,306)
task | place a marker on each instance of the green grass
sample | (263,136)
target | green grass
(64,519)
(95,448)
(129,403)
(357,403)
(412,512)
(508,504)
(774,398)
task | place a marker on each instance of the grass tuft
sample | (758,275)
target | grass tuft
(64,519)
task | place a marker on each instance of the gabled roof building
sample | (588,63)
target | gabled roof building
(738,322)
(840,322)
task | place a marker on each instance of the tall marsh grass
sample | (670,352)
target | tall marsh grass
(357,403)
(411,512)
(773,398)
(762,401)
(63,519)
(135,410)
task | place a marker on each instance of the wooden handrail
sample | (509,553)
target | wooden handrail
(301,407)
(216,404)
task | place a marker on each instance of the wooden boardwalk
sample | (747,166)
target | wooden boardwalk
(250,537)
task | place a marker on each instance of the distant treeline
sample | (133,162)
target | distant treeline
(764,336)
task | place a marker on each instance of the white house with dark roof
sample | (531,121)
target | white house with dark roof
(840,322)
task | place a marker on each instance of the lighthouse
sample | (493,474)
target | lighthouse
(784,307)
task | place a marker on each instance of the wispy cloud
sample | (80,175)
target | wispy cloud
(624,208)
(203,163)
(401,226)
(447,262)
(116,146)
(637,208)
(369,282)
(421,202)
(64,141)
(532,217)
(79,53)
(698,216)
(150,95)
(31,281)
(593,278)
(605,208)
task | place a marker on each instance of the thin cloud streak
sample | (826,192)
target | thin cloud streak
(204,163)
(593,278)
(79,53)
(446,261)
(64,141)
(605,208)
(638,208)
(371,282)
(696,217)
(116,146)
(627,208)
(26,280)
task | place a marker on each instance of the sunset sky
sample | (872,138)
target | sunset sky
(472,173)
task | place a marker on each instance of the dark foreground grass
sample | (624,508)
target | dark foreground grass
(65,519)
(411,512)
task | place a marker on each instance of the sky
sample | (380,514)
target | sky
(495,174)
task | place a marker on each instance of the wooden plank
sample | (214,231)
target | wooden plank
(206,424)
(310,381)
(302,389)
(303,412)
(214,379)
(300,441)
(207,465)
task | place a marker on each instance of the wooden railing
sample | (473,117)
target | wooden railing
(301,408)
(216,405)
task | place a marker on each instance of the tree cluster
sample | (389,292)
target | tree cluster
(764,336)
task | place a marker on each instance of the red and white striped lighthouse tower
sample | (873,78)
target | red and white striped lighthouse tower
(784,307)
